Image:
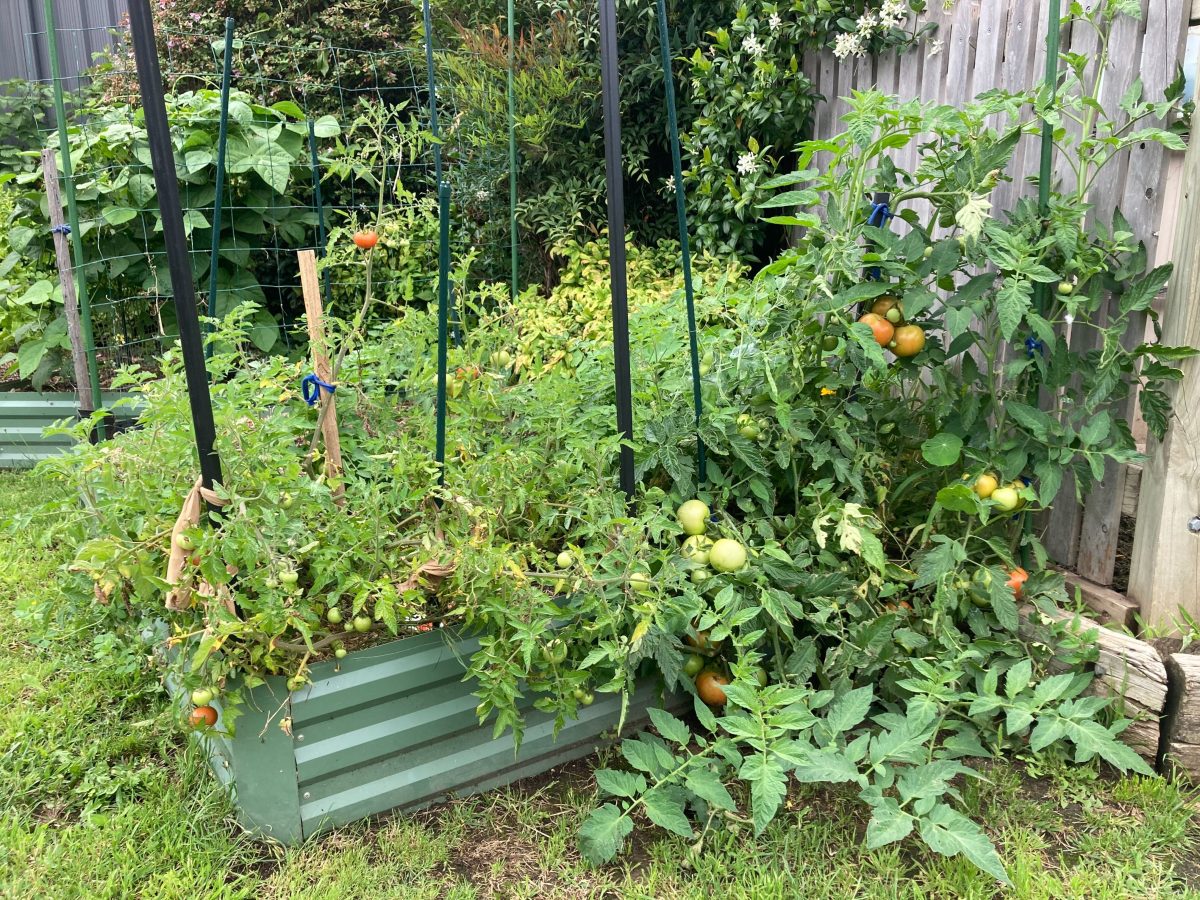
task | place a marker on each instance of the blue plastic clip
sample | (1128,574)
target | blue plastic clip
(311,387)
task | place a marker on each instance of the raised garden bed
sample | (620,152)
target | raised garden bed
(25,415)
(390,727)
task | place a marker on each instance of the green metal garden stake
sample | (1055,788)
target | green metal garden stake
(64,148)
(222,141)
(436,131)
(1053,29)
(512,150)
(664,40)
(443,321)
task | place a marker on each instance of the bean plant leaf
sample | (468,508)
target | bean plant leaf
(950,833)
(603,833)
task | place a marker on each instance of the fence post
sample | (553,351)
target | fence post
(1166,548)
(64,149)
(62,252)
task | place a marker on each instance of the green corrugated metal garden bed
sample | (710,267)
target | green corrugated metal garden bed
(388,727)
(23,418)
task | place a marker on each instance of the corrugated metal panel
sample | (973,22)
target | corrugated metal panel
(84,28)
(391,727)
(23,416)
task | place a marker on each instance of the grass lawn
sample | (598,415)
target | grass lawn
(101,797)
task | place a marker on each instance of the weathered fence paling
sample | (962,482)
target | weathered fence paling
(986,45)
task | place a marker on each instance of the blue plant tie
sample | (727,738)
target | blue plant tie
(1033,346)
(311,386)
(61,229)
(880,213)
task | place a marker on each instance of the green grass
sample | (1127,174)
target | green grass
(100,797)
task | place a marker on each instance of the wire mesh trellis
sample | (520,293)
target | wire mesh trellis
(320,140)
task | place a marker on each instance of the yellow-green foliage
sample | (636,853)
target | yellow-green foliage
(559,328)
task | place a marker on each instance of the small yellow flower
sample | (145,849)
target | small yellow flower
(827,392)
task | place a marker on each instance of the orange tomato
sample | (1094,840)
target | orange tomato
(710,686)
(881,328)
(1016,581)
(909,340)
(204,717)
(365,240)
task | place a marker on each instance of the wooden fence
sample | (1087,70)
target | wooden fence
(986,44)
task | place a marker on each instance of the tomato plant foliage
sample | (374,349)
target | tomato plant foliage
(871,637)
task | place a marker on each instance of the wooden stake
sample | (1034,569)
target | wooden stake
(315,314)
(66,278)
(1166,549)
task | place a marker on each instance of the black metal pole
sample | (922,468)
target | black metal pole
(614,176)
(162,158)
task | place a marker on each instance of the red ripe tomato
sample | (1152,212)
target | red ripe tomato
(204,717)
(881,328)
(711,687)
(1016,581)
(366,239)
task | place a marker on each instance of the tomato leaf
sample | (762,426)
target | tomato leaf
(951,833)
(603,833)
(664,807)
(670,727)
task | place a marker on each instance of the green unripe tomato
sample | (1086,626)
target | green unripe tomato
(340,652)
(1006,498)
(362,624)
(288,578)
(1066,288)
(695,549)
(693,665)
(640,582)
(928,252)
(202,697)
(565,560)
(693,517)
(749,432)
(587,699)
(759,674)
(296,683)
(829,343)
(287,501)
(894,315)
(698,576)
(184,541)
(333,616)
(727,555)
(555,653)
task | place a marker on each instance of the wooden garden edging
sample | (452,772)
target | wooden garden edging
(1161,696)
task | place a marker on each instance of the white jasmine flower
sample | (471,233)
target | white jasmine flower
(935,47)
(848,44)
(753,45)
(481,195)
(747,164)
(774,22)
(893,13)
(670,184)
(866,23)
(1068,318)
